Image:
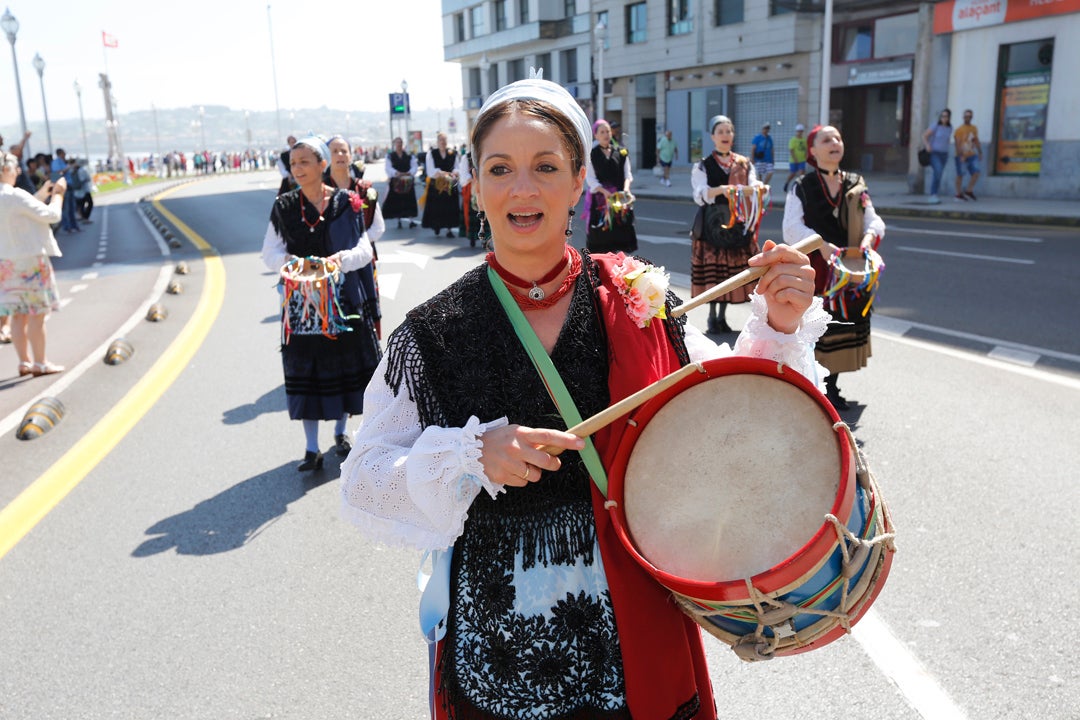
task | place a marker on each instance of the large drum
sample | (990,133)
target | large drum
(402,183)
(741,491)
(853,280)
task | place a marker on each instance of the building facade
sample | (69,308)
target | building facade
(654,65)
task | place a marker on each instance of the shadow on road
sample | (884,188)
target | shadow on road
(269,402)
(236,516)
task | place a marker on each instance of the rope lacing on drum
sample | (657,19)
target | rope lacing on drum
(777,615)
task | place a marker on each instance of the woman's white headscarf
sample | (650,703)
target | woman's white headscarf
(536,88)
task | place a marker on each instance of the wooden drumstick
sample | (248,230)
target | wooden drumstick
(605,417)
(805,246)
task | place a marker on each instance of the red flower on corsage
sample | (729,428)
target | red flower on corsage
(356,202)
(643,289)
(864,200)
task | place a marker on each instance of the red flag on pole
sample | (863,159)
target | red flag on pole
(108,40)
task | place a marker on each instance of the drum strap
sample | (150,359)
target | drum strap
(552,380)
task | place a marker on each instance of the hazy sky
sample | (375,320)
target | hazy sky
(337,53)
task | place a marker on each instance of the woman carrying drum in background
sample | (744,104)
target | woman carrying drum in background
(401,193)
(325,376)
(547,614)
(348,175)
(724,246)
(608,202)
(836,205)
(442,204)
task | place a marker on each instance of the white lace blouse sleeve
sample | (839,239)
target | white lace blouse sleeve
(872,222)
(358,256)
(388,167)
(628,172)
(404,485)
(794,223)
(592,184)
(758,339)
(273,249)
(700,184)
(378,225)
(429,165)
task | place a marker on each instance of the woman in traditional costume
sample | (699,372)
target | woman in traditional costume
(724,186)
(329,349)
(835,204)
(546,615)
(400,200)
(610,215)
(345,173)
(442,204)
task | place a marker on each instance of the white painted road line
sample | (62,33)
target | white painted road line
(970,256)
(901,667)
(954,233)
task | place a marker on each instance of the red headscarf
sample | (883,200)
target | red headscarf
(810,145)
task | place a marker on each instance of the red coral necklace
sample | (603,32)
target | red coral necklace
(318,208)
(537,299)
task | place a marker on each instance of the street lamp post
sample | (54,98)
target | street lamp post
(826,62)
(601,35)
(202,125)
(82,122)
(11,29)
(39,65)
(408,110)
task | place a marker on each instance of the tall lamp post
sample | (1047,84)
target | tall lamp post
(601,36)
(82,122)
(202,125)
(11,29)
(826,62)
(408,110)
(39,65)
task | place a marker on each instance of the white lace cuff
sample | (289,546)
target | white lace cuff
(796,350)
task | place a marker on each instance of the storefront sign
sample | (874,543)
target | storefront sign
(1023,124)
(879,73)
(956,15)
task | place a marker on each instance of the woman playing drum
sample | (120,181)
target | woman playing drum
(608,202)
(401,170)
(835,204)
(722,184)
(325,376)
(547,615)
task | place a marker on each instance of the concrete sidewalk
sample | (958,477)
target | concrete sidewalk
(891,198)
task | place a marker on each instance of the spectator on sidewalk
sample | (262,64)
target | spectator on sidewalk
(936,141)
(28,291)
(666,150)
(796,155)
(81,187)
(763,154)
(968,157)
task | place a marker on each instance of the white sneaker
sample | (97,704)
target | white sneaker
(933,200)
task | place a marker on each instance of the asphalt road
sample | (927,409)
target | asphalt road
(184,569)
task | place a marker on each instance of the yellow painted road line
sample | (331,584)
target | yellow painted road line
(24,512)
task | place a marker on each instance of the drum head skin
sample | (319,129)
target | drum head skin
(730,476)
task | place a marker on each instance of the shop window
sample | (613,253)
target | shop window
(1022,99)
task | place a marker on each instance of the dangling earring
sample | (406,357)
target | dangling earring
(570,225)
(480,231)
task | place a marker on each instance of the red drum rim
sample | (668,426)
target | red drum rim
(780,577)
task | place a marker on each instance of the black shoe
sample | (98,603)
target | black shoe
(412,224)
(837,399)
(449,233)
(312,461)
(713,329)
(398,224)
(343,445)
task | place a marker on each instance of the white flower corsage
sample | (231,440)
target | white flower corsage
(643,288)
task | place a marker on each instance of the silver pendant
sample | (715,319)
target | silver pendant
(536,293)
(836,212)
